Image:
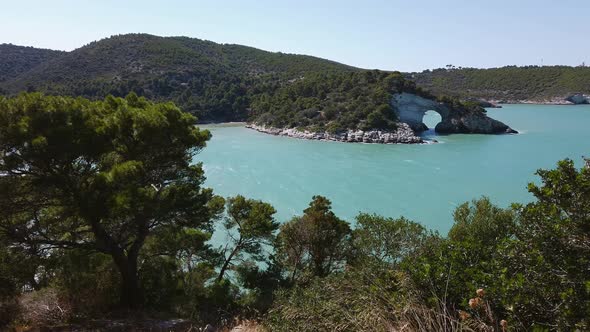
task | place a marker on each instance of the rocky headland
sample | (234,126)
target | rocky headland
(410,109)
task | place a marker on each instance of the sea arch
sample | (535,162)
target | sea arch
(411,108)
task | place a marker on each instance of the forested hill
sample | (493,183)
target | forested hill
(15,60)
(214,81)
(510,84)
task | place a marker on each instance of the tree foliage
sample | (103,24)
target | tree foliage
(547,264)
(384,242)
(315,244)
(250,225)
(99,176)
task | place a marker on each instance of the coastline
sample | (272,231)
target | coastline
(222,124)
(533,102)
(402,135)
(579,99)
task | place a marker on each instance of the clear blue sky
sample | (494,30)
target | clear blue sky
(386,34)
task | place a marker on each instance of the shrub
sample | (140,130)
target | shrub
(357,300)
(45,308)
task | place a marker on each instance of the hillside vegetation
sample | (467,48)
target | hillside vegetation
(333,102)
(15,60)
(213,81)
(510,84)
(338,101)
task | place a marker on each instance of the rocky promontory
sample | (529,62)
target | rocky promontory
(473,123)
(402,135)
(410,109)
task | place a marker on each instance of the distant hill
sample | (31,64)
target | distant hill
(15,60)
(214,81)
(511,84)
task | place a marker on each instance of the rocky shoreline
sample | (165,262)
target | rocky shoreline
(575,99)
(402,135)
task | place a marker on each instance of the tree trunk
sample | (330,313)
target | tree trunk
(130,296)
(228,260)
(126,262)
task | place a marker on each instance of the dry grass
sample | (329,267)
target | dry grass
(245,326)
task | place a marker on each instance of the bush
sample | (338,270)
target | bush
(358,300)
(87,282)
(45,308)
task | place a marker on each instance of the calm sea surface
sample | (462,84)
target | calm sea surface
(421,182)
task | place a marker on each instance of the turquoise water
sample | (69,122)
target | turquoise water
(421,182)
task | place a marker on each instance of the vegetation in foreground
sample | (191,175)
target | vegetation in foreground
(103,214)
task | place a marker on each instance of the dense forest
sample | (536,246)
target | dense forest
(107,217)
(507,84)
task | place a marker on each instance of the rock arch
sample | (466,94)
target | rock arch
(410,108)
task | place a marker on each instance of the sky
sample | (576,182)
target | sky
(405,35)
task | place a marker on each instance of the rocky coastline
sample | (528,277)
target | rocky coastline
(575,99)
(402,135)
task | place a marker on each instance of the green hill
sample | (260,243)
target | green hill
(213,81)
(15,60)
(510,83)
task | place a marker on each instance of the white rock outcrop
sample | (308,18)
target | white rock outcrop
(403,135)
(410,108)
